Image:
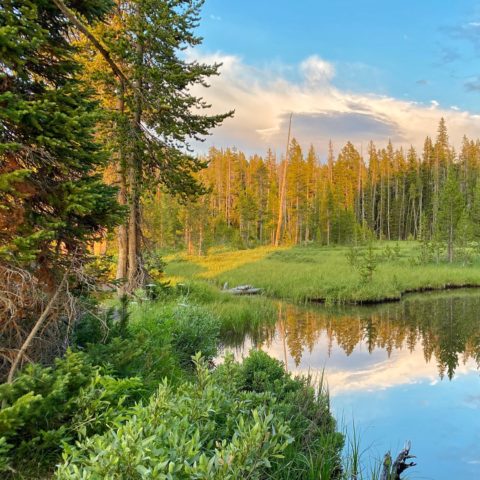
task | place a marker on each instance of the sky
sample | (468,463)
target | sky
(356,70)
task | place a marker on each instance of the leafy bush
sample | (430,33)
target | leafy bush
(317,445)
(194,330)
(45,407)
(197,431)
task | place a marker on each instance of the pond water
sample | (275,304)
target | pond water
(400,371)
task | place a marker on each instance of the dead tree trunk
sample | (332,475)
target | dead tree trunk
(283,186)
(393,471)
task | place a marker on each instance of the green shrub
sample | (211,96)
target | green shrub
(194,330)
(139,346)
(101,325)
(317,445)
(261,373)
(45,407)
(197,431)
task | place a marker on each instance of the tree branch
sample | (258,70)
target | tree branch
(35,329)
(103,51)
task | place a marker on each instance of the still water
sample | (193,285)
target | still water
(400,371)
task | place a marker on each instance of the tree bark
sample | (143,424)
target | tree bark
(136,274)
(122,234)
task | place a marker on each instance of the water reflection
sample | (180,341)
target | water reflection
(401,371)
(406,370)
(444,328)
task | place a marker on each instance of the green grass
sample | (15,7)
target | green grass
(238,315)
(322,273)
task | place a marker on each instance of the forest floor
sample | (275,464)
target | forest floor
(324,274)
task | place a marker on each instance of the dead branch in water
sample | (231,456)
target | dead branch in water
(393,471)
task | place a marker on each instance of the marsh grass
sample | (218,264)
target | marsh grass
(359,462)
(313,273)
(237,315)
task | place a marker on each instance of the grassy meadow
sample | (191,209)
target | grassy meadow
(314,273)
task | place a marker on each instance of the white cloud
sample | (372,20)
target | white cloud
(317,71)
(264,96)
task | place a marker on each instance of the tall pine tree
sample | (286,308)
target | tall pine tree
(158,116)
(52,198)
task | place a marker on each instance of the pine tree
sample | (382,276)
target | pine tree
(53,202)
(49,181)
(159,115)
(451,206)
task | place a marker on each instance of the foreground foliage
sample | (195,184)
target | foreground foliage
(198,431)
(45,407)
(240,421)
(132,406)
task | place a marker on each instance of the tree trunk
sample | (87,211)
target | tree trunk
(136,273)
(450,241)
(283,187)
(388,202)
(122,234)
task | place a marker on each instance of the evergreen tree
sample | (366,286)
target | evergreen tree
(53,202)
(451,206)
(49,181)
(160,116)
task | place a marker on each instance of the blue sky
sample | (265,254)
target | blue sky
(422,53)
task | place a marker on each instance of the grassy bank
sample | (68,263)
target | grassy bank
(324,273)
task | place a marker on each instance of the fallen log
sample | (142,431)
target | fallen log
(393,471)
(243,290)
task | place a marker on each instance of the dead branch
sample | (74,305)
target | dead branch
(46,312)
(393,472)
(103,51)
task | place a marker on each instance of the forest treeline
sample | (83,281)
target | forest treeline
(388,193)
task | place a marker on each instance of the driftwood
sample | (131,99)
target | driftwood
(393,471)
(242,290)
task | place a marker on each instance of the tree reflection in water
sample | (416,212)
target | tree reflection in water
(445,325)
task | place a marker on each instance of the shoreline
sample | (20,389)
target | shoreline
(373,301)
